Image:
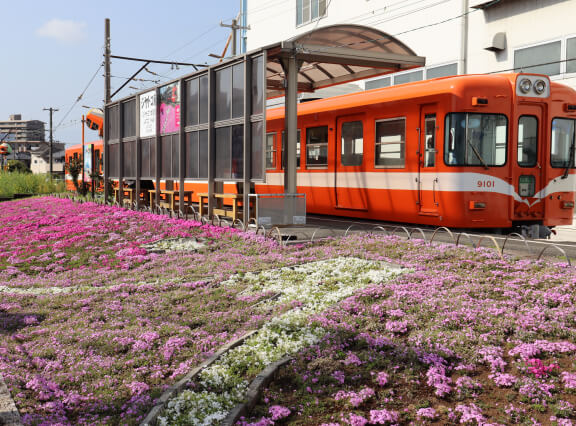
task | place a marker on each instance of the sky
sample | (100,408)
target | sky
(52,50)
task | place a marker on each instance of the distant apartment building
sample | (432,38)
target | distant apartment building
(22,135)
(455,36)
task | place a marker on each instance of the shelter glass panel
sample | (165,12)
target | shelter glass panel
(223,93)
(114,156)
(129,118)
(166,150)
(113,121)
(203,154)
(223,153)
(129,159)
(390,143)
(237,160)
(238,90)
(146,157)
(170,108)
(192,98)
(192,155)
(203,106)
(541,59)
(175,156)
(257,85)
(257,160)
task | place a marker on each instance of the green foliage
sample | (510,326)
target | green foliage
(74,168)
(17,166)
(27,183)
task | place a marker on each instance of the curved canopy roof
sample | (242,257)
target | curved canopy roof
(338,54)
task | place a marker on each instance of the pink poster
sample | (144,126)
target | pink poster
(169,108)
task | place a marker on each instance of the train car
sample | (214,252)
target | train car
(471,151)
(95,161)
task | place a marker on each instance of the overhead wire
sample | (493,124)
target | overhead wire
(79,97)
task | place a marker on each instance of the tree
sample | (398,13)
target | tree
(17,166)
(74,169)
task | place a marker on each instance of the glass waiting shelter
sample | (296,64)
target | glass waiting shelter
(210,126)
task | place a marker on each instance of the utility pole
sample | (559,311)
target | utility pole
(107,61)
(52,111)
(234,27)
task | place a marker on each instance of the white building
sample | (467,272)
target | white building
(40,158)
(455,36)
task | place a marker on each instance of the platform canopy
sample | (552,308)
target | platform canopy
(337,54)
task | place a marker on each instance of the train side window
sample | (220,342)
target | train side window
(317,146)
(352,143)
(562,146)
(270,151)
(527,155)
(390,143)
(283,159)
(430,140)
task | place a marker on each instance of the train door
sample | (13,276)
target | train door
(529,162)
(349,175)
(428,162)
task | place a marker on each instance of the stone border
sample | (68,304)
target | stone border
(179,386)
(254,391)
(9,415)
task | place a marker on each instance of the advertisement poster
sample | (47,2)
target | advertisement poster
(148,114)
(169,108)
(87,162)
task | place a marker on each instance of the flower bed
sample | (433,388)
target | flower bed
(102,309)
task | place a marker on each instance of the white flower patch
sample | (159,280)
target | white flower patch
(317,286)
(175,244)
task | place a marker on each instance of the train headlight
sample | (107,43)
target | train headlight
(525,85)
(539,86)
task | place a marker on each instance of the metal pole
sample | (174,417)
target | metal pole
(83,162)
(291,123)
(52,110)
(464,38)
(107,61)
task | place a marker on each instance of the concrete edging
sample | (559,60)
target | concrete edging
(254,391)
(9,415)
(176,388)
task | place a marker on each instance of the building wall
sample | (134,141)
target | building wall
(432,28)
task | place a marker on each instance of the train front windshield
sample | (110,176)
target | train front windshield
(475,139)
(562,148)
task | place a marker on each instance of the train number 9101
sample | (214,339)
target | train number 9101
(486,184)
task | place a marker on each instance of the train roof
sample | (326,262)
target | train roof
(420,89)
(79,145)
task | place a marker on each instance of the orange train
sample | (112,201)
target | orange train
(93,163)
(472,151)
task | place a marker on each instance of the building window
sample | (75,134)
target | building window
(442,71)
(379,83)
(571,55)
(309,10)
(409,77)
(390,143)
(541,59)
(317,146)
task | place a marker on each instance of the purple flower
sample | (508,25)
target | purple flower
(278,412)
(382,417)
